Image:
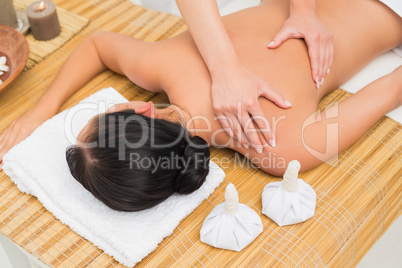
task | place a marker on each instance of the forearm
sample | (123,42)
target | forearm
(119,53)
(209,34)
(82,65)
(323,135)
(352,117)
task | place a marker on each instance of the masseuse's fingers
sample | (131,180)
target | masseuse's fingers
(323,57)
(259,116)
(237,128)
(325,47)
(314,54)
(250,132)
(321,52)
(330,56)
(225,125)
(284,34)
(316,46)
(272,95)
(264,128)
(326,56)
(228,127)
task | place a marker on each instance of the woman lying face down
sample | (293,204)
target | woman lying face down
(175,67)
(135,156)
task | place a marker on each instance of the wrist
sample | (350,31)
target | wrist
(302,7)
(42,112)
(222,62)
(224,68)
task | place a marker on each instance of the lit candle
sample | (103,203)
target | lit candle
(7,14)
(43,19)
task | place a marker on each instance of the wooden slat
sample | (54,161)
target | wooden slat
(358,196)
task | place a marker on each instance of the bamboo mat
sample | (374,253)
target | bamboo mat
(357,199)
(70,24)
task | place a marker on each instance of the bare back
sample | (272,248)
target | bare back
(362,30)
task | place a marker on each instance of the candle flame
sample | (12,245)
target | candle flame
(41,6)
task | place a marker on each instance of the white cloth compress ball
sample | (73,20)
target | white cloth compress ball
(231,225)
(289,201)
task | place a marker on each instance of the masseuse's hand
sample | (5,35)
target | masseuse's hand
(18,130)
(235,90)
(235,95)
(319,40)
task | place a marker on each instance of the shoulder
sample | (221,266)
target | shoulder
(128,56)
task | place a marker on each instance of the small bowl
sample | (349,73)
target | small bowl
(15,47)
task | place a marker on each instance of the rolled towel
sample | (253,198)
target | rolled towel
(289,201)
(231,225)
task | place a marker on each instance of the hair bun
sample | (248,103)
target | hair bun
(195,166)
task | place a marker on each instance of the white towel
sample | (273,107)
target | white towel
(38,166)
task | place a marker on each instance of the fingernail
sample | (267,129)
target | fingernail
(318,85)
(271,44)
(316,79)
(259,150)
(272,143)
(288,104)
(322,81)
(329,69)
(246,146)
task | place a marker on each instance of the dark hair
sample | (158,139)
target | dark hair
(167,160)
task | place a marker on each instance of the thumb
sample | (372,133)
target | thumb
(275,97)
(283,35)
